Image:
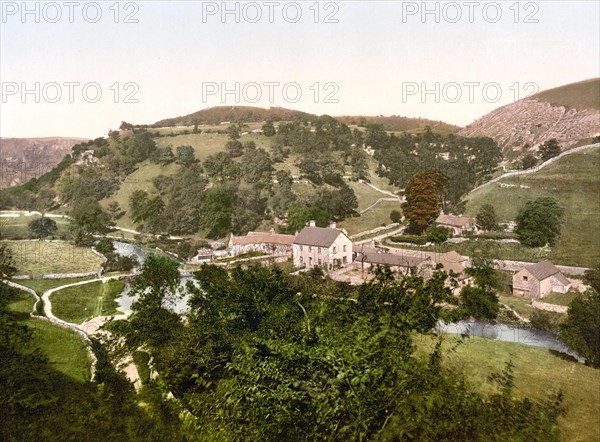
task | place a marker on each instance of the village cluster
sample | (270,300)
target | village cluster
(332,250)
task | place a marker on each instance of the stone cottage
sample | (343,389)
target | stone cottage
(538,280)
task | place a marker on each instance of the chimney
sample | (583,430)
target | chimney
(311,223)
(332,225)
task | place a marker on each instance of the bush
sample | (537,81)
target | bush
(395,216)
(437,235)
(413,239)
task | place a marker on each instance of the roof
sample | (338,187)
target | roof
(261,238)
(543,270)
(364,248)
(392,259)
(450,261)
(317,236)
(453,220)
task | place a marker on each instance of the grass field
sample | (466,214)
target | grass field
(580,95)
(35,257)
(42,285)
(562,298)
(574,181)
(376,217)
(64,348)
(80,303)
(16,227)
(537,373)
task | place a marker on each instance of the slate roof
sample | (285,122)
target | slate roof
(453,220)
(317,236)
(545,269)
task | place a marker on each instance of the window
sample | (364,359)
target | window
(309,261)
(319,250)
(309,249)
(319,261)
(344,248)
(344,259)
(334,249)
(525,278)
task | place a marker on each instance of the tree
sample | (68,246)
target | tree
(7,262)
(114,211)
(528,161)
(185,156)
(144,208)
(592,278)
(395,216)
(549,149)
(268,129)
(437,234)
(42,227)
(581,329)
(424,194)
(233,131)
(88,217)
(299,216)
(479,303)
(539,222)
(216,211)
(487,218)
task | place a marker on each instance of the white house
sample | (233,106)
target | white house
(329,248)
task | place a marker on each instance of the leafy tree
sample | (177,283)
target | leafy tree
(42,227)
(144,208)
(216,211)
(424,194)
(7,262)
(549,149)
(528,161)
(437,234)
(233,132)
(395,216)
(539,222)
(185,156)
(268,129)
(88,217)
(479,303)
(114,211)
(592,277)
(581,329)
(487,218)
(299,216)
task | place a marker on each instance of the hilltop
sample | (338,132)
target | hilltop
(570,113)
(234,114)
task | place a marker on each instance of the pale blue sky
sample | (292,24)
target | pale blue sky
(373,54)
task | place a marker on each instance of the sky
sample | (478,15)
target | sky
(80,68)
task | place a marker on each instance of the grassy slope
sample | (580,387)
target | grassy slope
(42,285)
(537,374)
(574,181)
(580,95)
(79,303)
(16,228)
(42,257)
(64,348)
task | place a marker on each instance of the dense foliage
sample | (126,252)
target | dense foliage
(581,329)
(539,222)
(266,356)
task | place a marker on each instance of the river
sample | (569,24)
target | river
(508,333)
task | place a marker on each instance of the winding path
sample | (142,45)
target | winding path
(536,168)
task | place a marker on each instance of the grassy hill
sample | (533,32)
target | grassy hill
(395,123)
(581,95)
(574,182)
(234,114)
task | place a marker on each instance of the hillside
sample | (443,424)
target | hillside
(24,158)
(574,182)
(397,123)
(234,114)
(568,113)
